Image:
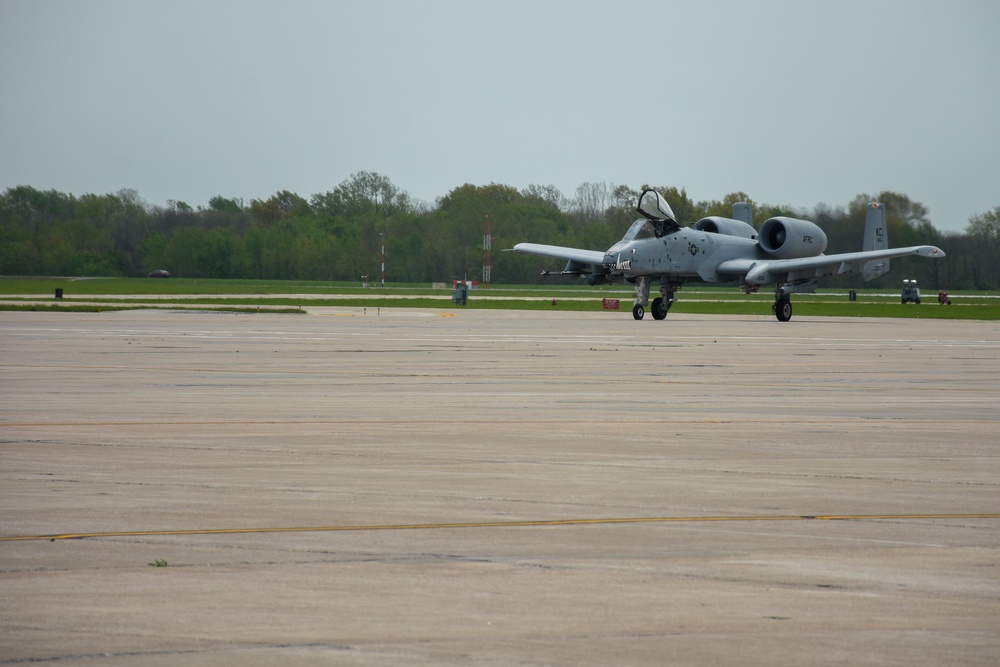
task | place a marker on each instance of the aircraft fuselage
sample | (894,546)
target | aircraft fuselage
(684,254)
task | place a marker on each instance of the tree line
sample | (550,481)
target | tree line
(339,235)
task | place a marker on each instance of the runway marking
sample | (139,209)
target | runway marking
(497,524)
(832,421)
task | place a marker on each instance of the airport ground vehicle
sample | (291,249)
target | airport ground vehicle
(911,293)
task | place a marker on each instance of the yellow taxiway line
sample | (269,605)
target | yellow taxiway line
(500,524)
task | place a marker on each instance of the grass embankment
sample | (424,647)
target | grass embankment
(92,294)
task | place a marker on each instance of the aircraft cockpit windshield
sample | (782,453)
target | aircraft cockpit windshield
(640,229)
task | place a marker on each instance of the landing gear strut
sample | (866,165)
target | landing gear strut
(641,294)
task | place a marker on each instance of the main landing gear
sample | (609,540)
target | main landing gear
(660,305)
(783,308)
(783,301)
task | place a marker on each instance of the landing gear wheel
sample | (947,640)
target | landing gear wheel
(638,311)
(660,308)
(783,309)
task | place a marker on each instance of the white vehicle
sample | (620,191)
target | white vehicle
(911,293)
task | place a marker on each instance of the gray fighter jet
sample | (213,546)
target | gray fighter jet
(785,252)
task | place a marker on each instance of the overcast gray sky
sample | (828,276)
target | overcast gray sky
(792,102)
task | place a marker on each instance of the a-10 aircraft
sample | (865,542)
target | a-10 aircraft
(785,252)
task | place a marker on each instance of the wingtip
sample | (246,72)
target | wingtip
(930,251)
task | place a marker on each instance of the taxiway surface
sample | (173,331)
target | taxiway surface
(497,487)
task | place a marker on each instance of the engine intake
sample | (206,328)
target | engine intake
(789,238)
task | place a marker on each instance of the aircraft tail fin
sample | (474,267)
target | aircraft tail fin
(875,239)
(743,211)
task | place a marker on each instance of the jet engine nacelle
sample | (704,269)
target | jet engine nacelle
(727,226)
(788,238)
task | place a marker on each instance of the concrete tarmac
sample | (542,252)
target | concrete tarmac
(428,487)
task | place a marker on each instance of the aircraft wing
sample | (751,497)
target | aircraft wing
(765,271)
(575,256)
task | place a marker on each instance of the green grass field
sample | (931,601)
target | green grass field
(89,294)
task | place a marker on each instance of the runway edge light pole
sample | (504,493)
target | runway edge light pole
(381,236)
(487,248)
